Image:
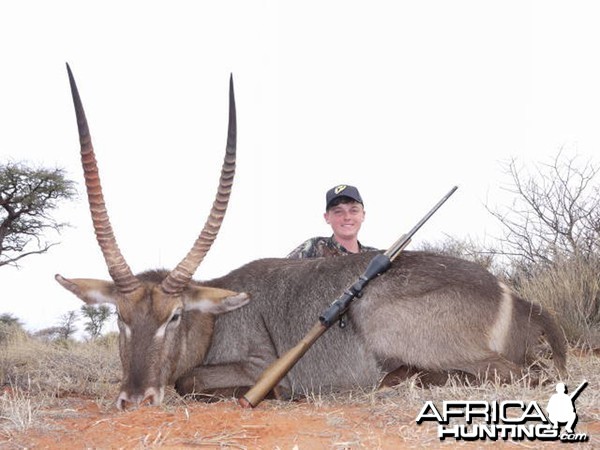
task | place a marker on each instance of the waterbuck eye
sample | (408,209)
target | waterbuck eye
(175,317)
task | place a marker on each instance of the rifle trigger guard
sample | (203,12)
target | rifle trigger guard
(342,322)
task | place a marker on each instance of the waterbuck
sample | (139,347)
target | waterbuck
(428,311)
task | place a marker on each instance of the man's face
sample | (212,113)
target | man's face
(345,219)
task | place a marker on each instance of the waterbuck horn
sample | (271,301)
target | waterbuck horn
(119,271)
(179,277)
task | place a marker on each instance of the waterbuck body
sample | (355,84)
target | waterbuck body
(428,311)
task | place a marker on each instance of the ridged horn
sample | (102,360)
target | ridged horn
(179,277)
(119,271)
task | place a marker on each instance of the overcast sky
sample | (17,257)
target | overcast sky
(402,99)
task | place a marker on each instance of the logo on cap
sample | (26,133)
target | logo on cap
(339,188)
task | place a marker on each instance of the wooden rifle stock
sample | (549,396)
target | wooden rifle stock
(276,371)
(378,265)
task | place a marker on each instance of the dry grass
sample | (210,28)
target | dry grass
(19,409)
(37,375)
(409,395)
(571,289)
(57,369)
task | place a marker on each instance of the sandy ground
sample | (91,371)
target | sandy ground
(83,423)
(361,420)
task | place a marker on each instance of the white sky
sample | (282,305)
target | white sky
(402,99)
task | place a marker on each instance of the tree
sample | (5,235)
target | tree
(97,317)
(555,213)
(9,324)
(9,319)
(27,198)
(61,332)
(67,327)
(48,334)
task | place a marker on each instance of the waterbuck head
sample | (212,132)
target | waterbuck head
(158,312)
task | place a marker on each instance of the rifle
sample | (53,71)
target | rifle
(378,265)
(577,391)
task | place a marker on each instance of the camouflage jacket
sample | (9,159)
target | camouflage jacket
(323,247)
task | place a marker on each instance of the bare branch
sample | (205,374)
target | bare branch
(554,212)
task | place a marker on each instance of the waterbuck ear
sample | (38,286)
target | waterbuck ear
(214,300)
(92,292)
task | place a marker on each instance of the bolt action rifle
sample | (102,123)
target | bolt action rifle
(378,265)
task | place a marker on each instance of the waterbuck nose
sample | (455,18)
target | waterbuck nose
(151,396)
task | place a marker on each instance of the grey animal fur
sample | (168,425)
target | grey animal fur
(430,311)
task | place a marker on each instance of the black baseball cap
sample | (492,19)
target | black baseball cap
(342,190)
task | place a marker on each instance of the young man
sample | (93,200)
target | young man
(344,212)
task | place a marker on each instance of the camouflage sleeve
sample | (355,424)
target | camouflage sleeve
(304,250)
(369,249)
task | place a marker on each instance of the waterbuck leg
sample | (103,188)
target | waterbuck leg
(492,367)
(424,378)
(209,378)
(215,395)
(225,379)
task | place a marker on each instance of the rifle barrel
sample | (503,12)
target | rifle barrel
(401,243)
